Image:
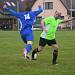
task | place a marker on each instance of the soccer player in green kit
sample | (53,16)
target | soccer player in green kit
(49,26)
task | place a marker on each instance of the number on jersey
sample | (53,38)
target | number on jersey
(27,16)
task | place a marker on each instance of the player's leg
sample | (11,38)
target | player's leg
(35,51)
(27,50)
(28,47)
(23,36)
(40,47)
(54,45)
(27,37)
(55,53)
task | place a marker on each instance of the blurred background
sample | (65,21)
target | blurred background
(66,7)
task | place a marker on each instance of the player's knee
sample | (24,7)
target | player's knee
(28,47)
(29,42)
(55,47)
(56,50)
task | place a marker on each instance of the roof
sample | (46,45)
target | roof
(22,5)
(67,3)
(64,4)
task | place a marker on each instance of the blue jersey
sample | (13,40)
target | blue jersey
(26,19)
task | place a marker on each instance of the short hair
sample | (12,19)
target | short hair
(59,13)
(28,9)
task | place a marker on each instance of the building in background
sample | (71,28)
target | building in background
(66,7)
(50,6)
(70,4)
(10,22)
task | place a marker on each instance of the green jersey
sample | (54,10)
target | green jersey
(51,25)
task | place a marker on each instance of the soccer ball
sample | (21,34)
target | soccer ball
(35,56)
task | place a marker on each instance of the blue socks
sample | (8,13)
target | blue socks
(28,47)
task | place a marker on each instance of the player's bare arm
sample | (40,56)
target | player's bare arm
(67,20)
(43,26)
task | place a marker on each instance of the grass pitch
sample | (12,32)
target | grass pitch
(11,62)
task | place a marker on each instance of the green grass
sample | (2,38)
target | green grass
(11,62)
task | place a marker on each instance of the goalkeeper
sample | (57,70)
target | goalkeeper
(49,26)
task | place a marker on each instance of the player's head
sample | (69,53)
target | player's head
(28,9)
(57,15)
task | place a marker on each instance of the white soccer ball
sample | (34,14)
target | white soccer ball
(35,56)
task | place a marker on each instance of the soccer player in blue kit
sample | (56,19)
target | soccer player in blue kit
(26,20)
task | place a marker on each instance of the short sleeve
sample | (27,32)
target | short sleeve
(47,20)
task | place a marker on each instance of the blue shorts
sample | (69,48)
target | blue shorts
(27,35)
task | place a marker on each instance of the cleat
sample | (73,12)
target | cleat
(28,57)
(54,63)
